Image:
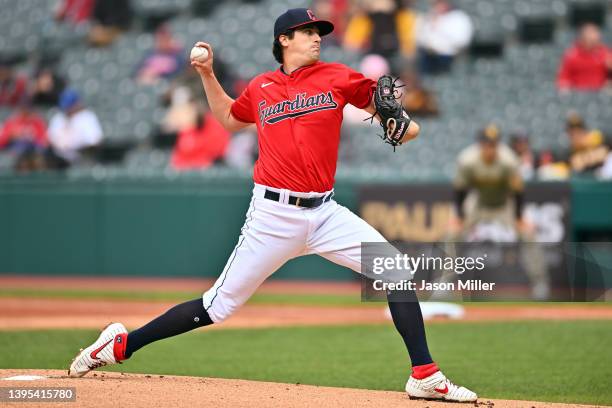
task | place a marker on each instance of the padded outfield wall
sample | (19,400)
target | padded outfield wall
(179,227)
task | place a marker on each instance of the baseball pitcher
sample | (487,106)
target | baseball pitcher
(298,113)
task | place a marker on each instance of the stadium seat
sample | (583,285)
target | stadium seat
(587,12)
(536,30)
(203,8)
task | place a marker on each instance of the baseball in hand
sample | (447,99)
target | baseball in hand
(199,54)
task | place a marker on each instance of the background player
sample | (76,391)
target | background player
(491,172)
(298,113)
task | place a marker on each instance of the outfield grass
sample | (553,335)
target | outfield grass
(567,361)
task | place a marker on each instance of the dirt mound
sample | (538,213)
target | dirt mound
(105,389)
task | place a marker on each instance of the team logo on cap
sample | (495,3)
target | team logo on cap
(311,14)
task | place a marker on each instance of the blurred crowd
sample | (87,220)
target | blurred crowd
(391,36)
(589,152)
(72,131)
(74,134)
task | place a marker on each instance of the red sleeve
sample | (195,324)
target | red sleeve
(358,89)
(242,108)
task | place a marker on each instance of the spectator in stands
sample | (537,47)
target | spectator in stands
(417,100)
(75,11)
(110,19)
(441,35)
(184,100)
(382,27)
(551,169)
(202,145)
(190,80)
(587,64)
(73,131)
(372,66)
(182,114)
(334,11)
(588,150)
(13,87)
(24,134)
(166,60)
(46,87)
(187,81)
(519,142)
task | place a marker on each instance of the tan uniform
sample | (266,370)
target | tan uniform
(491,190)
(489,185)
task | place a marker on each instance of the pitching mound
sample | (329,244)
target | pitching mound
(105,389)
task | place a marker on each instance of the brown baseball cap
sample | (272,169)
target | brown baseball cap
(574,121)
(489,134)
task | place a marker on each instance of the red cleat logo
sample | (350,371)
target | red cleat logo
(442,390)
(94,354)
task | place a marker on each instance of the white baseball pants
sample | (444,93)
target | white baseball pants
(275,232)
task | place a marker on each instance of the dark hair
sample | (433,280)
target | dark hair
(277,48)
(574,121)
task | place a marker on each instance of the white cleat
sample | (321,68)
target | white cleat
(108,349)
(438,387)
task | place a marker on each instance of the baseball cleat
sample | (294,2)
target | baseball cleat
(438,387)
(108,349)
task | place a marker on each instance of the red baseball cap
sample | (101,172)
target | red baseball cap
(297,17)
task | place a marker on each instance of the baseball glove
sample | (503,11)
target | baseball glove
(393,118)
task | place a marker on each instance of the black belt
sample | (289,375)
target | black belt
(300,201)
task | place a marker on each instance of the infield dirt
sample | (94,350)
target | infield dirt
(109,389)
(23,312)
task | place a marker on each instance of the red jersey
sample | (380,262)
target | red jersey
(298,119)
(583,69)
(198,148)
(30,128)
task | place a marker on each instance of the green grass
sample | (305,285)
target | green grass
(566,361)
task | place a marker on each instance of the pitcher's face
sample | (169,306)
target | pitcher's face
(306,42)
